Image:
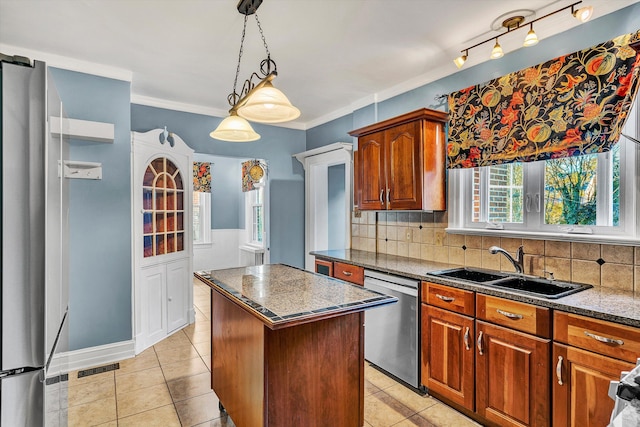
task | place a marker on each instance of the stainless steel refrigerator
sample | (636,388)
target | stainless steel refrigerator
(34,258)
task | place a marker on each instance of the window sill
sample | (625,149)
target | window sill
(563,237)
(252,248)
(202,245)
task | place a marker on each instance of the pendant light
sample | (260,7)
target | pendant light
(257,101)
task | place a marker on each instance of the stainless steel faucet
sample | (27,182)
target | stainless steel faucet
(518,262)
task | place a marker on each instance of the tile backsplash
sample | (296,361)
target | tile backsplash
(422,235)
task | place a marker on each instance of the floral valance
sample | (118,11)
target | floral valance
(572,105)
(202,177)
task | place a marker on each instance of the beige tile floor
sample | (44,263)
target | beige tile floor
(169,385)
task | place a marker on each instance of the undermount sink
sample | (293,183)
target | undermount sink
(515,282)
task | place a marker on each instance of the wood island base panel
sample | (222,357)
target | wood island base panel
(288,346)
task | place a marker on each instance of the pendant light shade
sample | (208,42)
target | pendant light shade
(497,51)
(531,39)
(268,105)
(234,129)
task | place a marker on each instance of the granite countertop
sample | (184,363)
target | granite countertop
(601,303)
(281,296)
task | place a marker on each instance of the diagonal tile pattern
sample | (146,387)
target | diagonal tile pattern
(169,385)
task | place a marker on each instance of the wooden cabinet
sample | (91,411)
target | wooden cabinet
(340,270)
(587,355)
(448,355)
(447,350)
(348,273)
(512,376)
(401,163)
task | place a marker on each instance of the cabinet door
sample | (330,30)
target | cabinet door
(447,355)
(404,175)
(580,385)
(512,377)
(178,283)
(372,178)
(433,166)
(153,313)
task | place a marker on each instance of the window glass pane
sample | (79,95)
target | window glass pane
(615,194)
(503,198)
(570,190)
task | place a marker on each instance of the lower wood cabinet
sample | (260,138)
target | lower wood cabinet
(512,376)
(580,386)
(448,355)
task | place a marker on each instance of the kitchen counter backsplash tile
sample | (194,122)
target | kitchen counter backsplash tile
(422,235)
(599,302)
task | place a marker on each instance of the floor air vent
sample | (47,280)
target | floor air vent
(98,370)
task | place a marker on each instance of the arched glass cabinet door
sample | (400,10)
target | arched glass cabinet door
(162,208)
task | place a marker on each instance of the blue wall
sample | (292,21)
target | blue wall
(276,146)
(100,214)
(624,21)
(227,198)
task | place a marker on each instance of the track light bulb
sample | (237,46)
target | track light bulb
(497,51)
(460,60)
(583,14)
(531,39)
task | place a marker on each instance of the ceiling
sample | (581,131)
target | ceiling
(332,55)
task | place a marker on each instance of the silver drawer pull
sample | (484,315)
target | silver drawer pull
(445,298)
(480,343)
(347,273)
(604,339)
(466,339)
(559,370)
(510,315)
(381,195)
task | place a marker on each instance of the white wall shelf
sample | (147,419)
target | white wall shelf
(81,170)
(83,129)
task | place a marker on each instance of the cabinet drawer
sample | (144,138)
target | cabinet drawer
(449,298)
(348,272)
(513,314)
(600,336)
(324,267)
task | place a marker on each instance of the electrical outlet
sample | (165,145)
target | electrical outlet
(408,235)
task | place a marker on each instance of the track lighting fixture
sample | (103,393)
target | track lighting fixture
(515,23)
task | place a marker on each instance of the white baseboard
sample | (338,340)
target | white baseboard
(99,355)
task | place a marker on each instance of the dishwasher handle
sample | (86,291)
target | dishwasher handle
(390,286)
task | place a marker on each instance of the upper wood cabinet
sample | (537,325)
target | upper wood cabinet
(401,163)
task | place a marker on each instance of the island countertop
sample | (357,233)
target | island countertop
(281,296)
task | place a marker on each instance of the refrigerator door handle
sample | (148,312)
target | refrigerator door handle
(18,371)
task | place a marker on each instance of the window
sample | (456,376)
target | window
(255,208)
(201,218)
(594,194)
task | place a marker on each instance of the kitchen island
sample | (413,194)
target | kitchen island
(288,346)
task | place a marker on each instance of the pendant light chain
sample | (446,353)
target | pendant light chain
(267,62)
(233,97)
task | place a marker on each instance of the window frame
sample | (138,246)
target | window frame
(460,204)
(205,210)
(250,221)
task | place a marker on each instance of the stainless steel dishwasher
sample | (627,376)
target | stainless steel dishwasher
(391,332)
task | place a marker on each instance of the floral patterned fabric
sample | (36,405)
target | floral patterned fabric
(202,177)
(247,181)
(572,105)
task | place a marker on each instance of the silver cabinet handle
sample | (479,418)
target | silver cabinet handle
(347,273)
(381,196)
(388,194)
(445,298)
(510,315)
(466,339)
(559,370)
(604,339)
(480,343)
